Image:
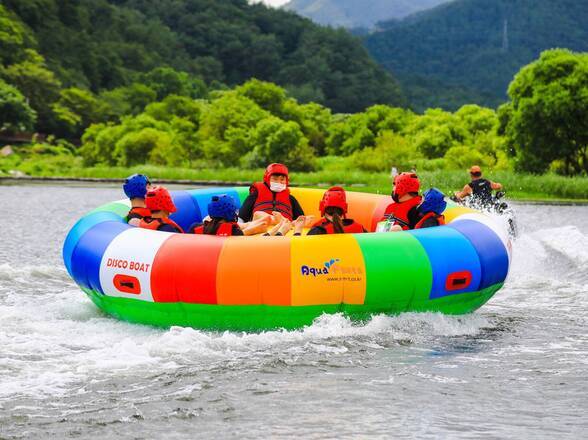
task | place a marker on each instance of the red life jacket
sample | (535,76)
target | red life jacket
(440,219)
(139,213)
(155,223)
(400,210)
(269,201)
(351,227)
(224,229)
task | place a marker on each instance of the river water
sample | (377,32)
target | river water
(517,368)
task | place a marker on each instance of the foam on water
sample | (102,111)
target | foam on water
(54,342)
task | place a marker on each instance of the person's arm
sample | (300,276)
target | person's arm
(236,230)
(414,217)
(297,210)
(495,185)
(430,222)
(193,226)
(167,228)
(317,230)
(299,225)
(466,191)
(246,210)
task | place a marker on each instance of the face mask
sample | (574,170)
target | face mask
(277,187)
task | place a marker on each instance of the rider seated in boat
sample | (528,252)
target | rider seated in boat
(271,195)
(402,213)
(222,211)
(430,211)
(333,208)
(159,202)
(135,188)
(479,189)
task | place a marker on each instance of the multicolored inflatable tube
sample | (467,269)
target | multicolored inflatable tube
(258,283)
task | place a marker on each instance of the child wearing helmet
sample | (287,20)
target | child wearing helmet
(158,200)
(135,188)
(430,211)
(270,196)
(403,212)
(222,211)
(333,208)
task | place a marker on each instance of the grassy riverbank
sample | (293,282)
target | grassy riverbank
(332,171)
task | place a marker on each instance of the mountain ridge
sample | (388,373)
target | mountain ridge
(468,51)
(357,13)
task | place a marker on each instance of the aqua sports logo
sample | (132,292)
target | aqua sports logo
(317,271)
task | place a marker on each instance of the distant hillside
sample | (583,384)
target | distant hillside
(358,13)
(103,44)
(469,50)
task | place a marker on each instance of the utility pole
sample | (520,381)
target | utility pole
(505,36)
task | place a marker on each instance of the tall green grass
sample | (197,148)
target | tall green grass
(332,171)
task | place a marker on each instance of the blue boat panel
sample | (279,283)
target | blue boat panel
(454,261)
(491,251)
(87,254)
(202,197)
(80,228)
(187,211)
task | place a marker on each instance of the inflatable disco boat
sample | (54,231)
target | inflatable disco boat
(257,283)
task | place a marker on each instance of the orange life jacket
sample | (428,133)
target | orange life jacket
(269,201)
(155,223)
(400,211)
(440,219)
(351,227)
(139,213)
(224,229)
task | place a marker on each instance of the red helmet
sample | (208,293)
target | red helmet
(334,197)
(159,199)
(275,168)
(406,183)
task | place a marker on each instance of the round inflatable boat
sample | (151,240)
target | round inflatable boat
(258,283)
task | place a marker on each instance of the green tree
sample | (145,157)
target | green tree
(128,100)
(15,113)
(136,147)
(166,81)
(280,141)
(267,95)
(37,83)
(546,118)
(227,127)
(436,132)
(76,110)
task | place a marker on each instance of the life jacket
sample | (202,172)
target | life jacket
(481,190)
(400,211)
(440,219)
(155,223)
(223,230)
(349,226)
(139,213)
(269,201)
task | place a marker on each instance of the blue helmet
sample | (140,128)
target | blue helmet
(433,201)
(136,186)
(223,206)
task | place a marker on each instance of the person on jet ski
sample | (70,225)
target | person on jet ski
(479,190)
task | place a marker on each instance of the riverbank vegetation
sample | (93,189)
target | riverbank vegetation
(182,122)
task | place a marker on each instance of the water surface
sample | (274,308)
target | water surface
(514,369)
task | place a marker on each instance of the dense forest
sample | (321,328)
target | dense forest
(130,82)
(543,128)
(358,13)
(100,45)
(468,51)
